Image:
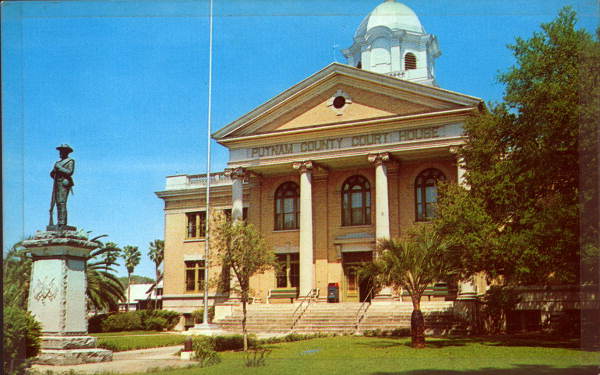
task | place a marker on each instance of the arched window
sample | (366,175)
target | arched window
(426,193)
(287,207)
(356,201)
(410,61)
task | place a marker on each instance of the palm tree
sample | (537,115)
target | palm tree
(111,254)
(412,262)
(157,254)
(103,288)
(131,255)
(16,272)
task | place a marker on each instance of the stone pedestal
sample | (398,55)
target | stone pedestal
(57,297)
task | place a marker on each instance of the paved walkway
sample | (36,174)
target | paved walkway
(134,360)
(126,362)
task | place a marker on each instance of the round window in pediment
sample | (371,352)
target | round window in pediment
(339,102)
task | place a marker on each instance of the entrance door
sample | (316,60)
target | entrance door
(355,289)
(352,286)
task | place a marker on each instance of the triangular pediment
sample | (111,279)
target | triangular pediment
(342,94)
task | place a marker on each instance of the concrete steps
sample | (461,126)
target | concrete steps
(338,318)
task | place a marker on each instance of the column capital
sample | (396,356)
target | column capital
(379,158)
(454,149)
(238,173)
(303,166)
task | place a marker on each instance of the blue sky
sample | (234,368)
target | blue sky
(125,84)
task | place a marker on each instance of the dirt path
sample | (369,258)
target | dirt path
(126,362)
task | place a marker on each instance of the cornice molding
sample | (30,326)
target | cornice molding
(354,126)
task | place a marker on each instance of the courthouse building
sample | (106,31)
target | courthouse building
(349,155)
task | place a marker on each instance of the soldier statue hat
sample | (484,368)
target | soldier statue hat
(65,146)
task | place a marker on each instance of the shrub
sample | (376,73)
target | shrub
(293,337)
(396,332)
(497,302)
(198,315)
(401,332)
(171,317)
(95,322)
(155,323)
(21,340)
(154,320)
(233,342)
(256,357)
(204,351)
(129,321)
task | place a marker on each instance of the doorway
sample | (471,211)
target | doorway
(356,289)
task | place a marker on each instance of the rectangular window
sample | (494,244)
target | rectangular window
(288,272)
(196,225)
(194,276)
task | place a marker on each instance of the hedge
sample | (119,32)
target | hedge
(146,320)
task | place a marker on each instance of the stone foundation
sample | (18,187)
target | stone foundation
(57,357)
(71,350)
(68,342)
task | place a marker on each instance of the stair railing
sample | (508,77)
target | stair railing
(362,310)
(313,294)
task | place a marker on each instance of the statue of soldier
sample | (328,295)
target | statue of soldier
(63,183)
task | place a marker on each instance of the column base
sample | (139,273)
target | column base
(384,296)
(205,329)
(68,342)
(71,350)
(467,296)
(56,357)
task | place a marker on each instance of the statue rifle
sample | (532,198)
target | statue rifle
(52,203)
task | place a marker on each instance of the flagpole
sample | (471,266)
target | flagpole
(208,141)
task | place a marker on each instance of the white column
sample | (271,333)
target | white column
(306,227)
(460,172)
(382,207)
(466,288)
(237,193)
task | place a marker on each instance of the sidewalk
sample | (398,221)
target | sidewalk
(125,362)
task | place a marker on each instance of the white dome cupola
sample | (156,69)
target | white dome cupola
(391,40)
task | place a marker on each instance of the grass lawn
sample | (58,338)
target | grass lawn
(386,356)
(128,333)
(121,341)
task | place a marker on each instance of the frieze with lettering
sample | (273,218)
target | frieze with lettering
(348,142)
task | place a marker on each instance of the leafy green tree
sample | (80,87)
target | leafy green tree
(524,160)
(104,291)
(131,256)
(411,262)
(157,254)
(240,247)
